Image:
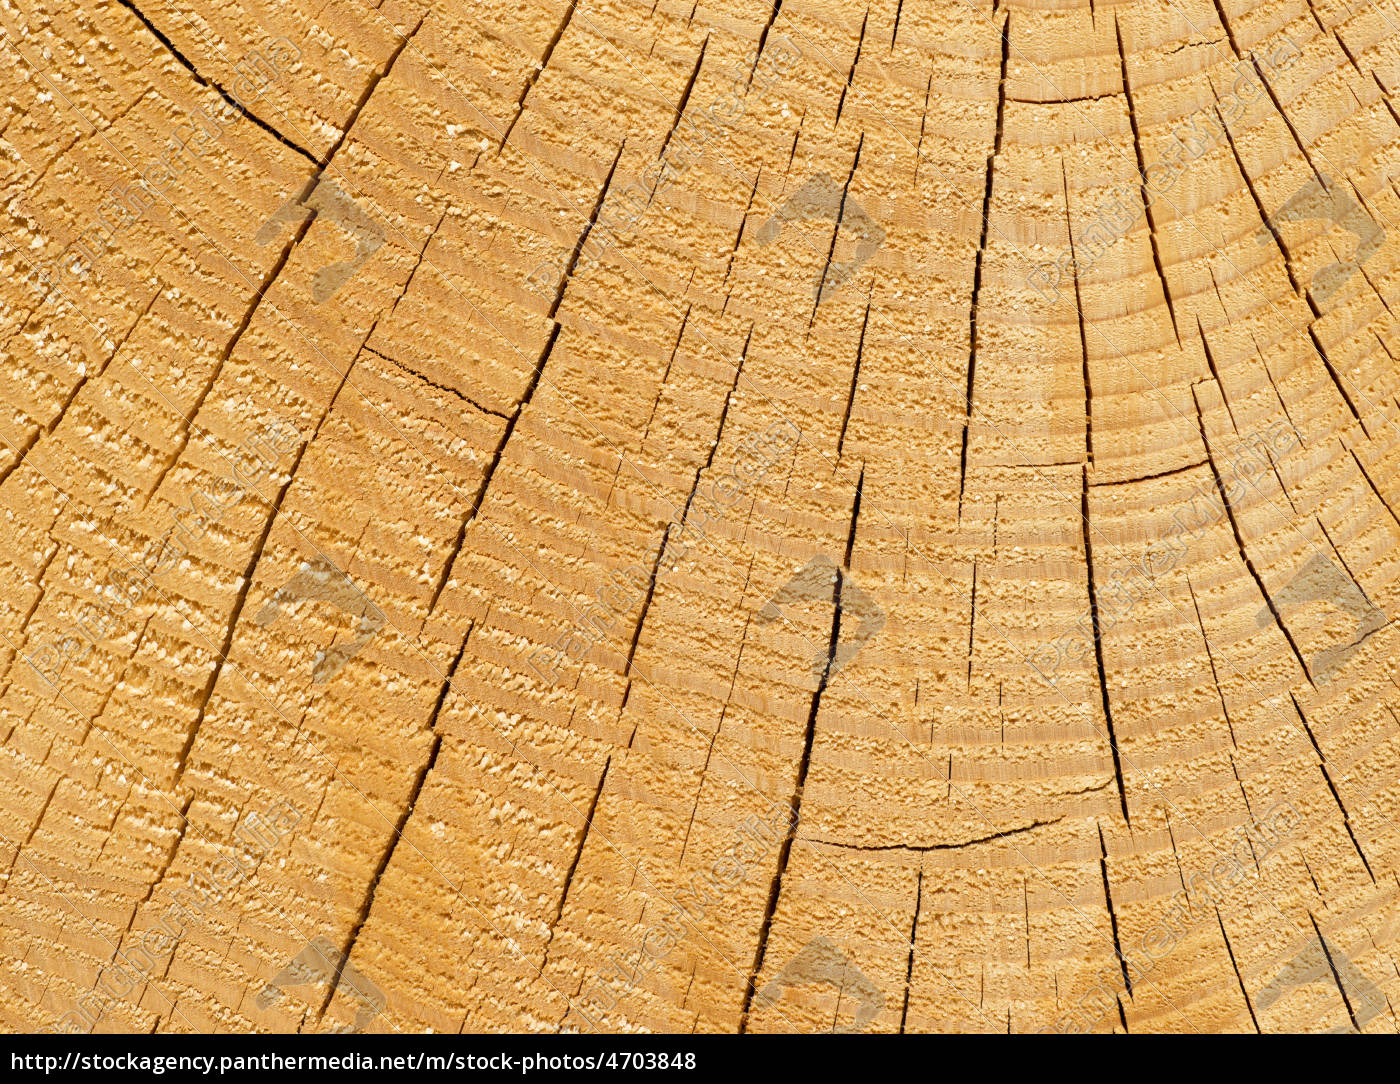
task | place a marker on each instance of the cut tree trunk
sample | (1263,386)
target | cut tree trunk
(700,515)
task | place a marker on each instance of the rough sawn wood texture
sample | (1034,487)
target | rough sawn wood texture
(710,515)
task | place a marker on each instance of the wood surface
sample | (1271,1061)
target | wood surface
(699,515)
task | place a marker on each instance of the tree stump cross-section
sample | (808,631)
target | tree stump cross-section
(700,516)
